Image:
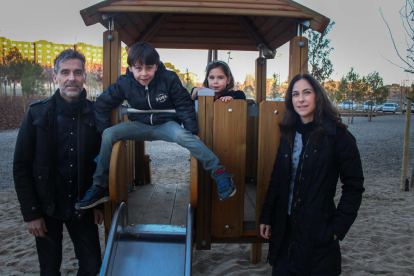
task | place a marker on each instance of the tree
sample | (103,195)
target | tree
(275,88)
(377,91)
(249,86)
(406,15)
(331,88)
(14,67)
(320,65)
(32,80)
(355,88)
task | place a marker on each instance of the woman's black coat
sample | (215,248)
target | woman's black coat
(315,218)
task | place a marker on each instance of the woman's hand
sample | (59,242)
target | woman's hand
(194,95)
(265,231)
(226,98)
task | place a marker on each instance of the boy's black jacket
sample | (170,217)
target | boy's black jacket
(165,91)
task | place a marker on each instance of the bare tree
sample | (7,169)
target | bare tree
(407,17)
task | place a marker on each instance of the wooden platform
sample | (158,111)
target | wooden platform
(167,204)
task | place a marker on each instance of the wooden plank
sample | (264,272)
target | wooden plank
(204,46)
(201,33)
(269,135)
(209,10)
(182,199)
(175,39)
(216,5)
(256,253)
(139,163)
(200,215)
(256,2)
(251,149)
(227,216)
(202,26)
(278,29)
(152,28)
(91,15)
(269,24)
(298,57)
(202,18)
(208,181)
(286,36)
(118,179)
(251,31)
(138,202)
(193,181)
(161,204)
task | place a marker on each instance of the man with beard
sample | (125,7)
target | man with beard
(53,167)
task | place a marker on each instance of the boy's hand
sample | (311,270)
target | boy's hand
(196,137)
(37,227)
(226,99)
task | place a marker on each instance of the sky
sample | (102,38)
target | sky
(360,36)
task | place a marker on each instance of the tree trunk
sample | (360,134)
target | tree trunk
(352,118)
(11,94)
(24,103)
(349,114)
(14,89)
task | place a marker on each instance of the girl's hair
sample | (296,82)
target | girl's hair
(324,107)
(226,69)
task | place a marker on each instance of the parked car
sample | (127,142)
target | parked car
(405,108)
(368,105)
(348,105)
(389,107)
(379,107)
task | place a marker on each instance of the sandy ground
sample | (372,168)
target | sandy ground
(381,241)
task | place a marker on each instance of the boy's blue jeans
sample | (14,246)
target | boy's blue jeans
(136,131)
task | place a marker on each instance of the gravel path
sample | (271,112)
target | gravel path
(380,143)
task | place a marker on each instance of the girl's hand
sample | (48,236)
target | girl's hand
(226,99)
(265,231)
(194,95)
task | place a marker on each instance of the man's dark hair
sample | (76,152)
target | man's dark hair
(68,54)
(143,53)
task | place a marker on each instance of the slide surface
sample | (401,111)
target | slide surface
(147,249)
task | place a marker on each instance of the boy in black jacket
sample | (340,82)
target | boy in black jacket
(148,85)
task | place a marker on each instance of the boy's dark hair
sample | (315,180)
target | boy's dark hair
(68,54)
(143,53)
(226,70)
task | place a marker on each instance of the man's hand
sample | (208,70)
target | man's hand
(99,216)
(265,231)
(226,98)
(37,227)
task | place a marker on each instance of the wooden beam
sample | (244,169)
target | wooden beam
(203,46)
(202,26)
(204,4)
(260,79)
(153,28)
(203,33)
(201,40)
(257,2)
(198,10)
(91,15)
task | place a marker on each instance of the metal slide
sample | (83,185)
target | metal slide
(147,249)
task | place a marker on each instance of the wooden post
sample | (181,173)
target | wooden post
(209,56)
(406,142)
(298,56)
(111,71)
(215,54)
(260,79)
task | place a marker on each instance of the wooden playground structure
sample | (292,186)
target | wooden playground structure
(243,135)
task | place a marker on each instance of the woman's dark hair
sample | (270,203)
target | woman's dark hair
(324,107)
(226,69)
(144,53)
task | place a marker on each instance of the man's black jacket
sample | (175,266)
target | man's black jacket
(33,168)
(165,91)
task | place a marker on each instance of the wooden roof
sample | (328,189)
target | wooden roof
(213,24)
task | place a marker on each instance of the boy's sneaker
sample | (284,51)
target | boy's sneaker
(94,196)
(225,186)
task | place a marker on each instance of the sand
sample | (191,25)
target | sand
(381,241)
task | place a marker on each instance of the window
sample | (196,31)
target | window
(48,51)
(40,45)
(48,46)
(25,45)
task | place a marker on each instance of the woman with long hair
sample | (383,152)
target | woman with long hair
(299,215)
